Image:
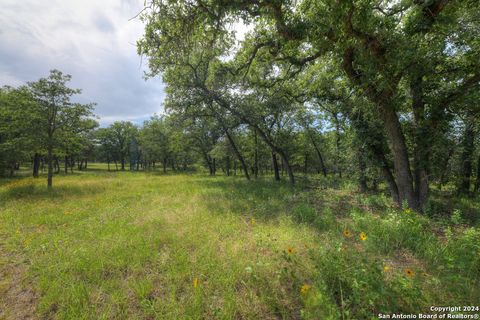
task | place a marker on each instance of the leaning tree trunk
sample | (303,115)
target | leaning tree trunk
(288,167)
(224,104)
(317,150)
(281,153)
(237,153)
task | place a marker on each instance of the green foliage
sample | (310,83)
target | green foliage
(18,126)
(391,82)
(40,120)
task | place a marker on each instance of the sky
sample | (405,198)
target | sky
(93,41)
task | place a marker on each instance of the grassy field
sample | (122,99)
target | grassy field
(134,245)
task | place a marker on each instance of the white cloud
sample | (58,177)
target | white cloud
(94,41)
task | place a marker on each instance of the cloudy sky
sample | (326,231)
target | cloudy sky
(92,40)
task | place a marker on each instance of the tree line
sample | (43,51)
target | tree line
(398,80)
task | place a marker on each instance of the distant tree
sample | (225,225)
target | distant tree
(155,141)
(18,127)
(118,138)
(58,115)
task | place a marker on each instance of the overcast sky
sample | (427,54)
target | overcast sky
(92,40)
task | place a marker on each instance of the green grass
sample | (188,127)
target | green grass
(123,245)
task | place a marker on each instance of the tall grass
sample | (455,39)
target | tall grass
(145,245)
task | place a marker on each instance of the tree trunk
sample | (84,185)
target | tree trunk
(227,165)
(392,185)
(57,166)
(421,151)
(36,165)
(164,165)
(282,154)
(50,163)
(317,150)
(208,161)
(288,167)
(224,104)
(275,166)
(377,145)
(383,98)
(385,167)
(337,146)
(238,154)
(400,156)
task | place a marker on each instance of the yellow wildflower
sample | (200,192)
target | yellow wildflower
(363,236)
(347,233)
(386,268)
(409,272)
(195,282)
(305,288)
(290,251)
